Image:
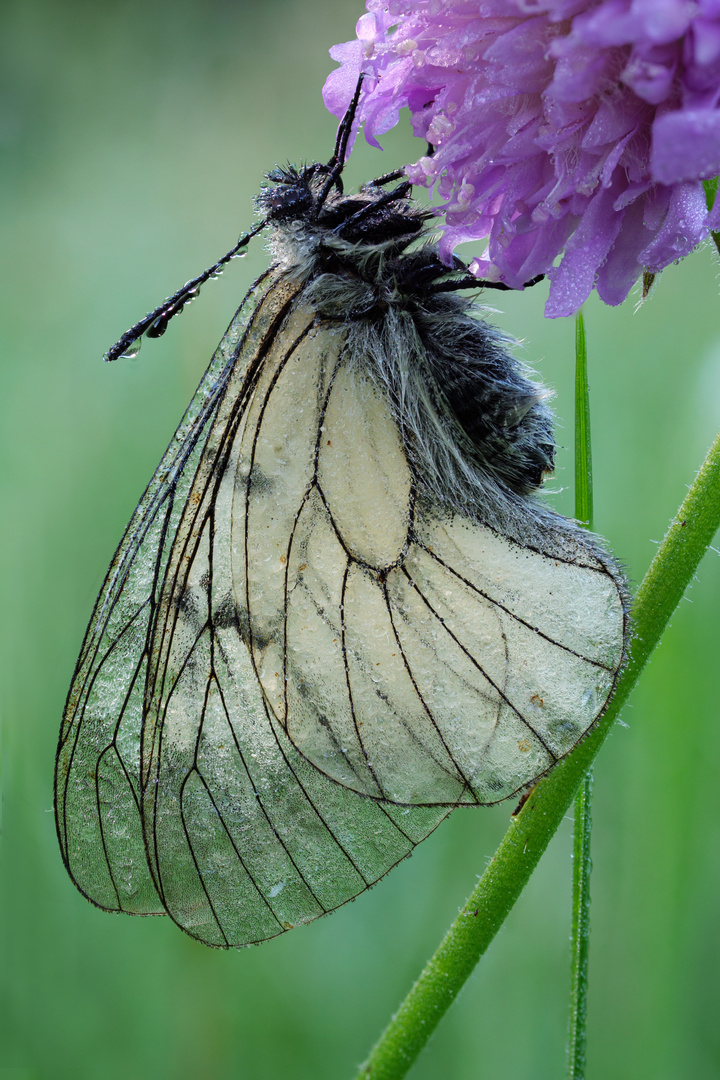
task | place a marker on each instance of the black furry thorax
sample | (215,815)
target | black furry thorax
(366,234)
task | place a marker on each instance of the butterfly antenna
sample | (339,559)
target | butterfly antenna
(156,322)
(336,164)
(471,282)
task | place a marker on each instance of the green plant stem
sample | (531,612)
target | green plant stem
(531,830)
(580,943)
(710,195)
(583,448)
(582,824)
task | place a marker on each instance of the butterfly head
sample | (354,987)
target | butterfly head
(287,193)
(292,196)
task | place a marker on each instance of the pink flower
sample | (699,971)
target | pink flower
(573,128)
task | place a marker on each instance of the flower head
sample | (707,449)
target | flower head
(581,128)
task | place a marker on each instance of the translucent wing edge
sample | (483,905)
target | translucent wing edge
(160,489)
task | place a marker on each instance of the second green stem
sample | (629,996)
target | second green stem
(580,940)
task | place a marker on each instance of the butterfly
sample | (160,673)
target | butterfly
(339,610)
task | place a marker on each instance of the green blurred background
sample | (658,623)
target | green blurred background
(133,136)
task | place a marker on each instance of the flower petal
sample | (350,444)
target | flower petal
(582,126)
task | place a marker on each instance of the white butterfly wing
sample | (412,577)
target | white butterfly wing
(247,838)
(411,655)
(540,638)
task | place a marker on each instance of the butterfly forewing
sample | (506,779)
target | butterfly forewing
(245,837)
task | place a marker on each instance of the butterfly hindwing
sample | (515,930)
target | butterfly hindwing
(411,653)
(482,616)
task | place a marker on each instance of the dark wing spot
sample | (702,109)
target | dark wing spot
(225,614)
(259,483)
